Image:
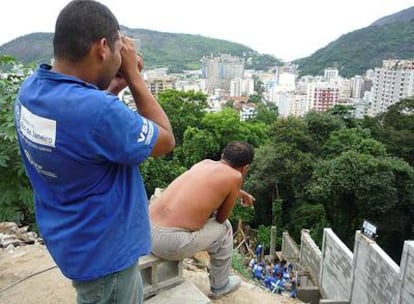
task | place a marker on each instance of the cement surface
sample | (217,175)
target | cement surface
(186,292)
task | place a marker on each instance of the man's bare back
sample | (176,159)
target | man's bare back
(209,188)
(193,197)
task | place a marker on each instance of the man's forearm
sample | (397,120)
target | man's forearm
(147,105)
(246,199)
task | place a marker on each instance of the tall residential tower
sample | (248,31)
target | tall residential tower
(393,82)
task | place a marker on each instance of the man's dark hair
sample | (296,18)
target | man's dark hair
(238,154)
(79,25)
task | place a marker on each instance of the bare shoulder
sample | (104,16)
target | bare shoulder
(230,174)
(205,162)
(205,165)
(216,165)
(223,174)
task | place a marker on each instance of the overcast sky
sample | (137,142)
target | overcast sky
(287,29)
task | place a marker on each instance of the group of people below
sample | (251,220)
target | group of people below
(82,146)
(276,277)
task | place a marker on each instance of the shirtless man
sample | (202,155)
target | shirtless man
(192,213)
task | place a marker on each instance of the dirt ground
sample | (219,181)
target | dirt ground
(20,283)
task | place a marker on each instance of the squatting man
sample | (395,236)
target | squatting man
(192,213)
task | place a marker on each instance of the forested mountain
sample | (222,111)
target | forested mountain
(406,15)
(390,37)
(160,49)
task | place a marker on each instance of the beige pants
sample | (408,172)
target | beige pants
(217,239)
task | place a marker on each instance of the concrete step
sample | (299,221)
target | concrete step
(184,293)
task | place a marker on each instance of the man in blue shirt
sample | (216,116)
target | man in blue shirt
(81,148)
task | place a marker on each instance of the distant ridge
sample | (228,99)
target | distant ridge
(391,37)
(160,49)
(406,15)
(35,47)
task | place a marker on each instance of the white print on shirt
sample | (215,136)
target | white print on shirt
(147,132)
(37,147)
(38,167)
(37,129)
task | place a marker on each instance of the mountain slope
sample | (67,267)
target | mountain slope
(160,49)
(35,47)
(406,15)
(390,37)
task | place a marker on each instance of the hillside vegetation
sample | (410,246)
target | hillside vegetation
(363,49)
(390,37)
(160,49)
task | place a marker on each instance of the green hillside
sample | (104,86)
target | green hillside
(160,49)
(390,37)
(35,47)
(363,49)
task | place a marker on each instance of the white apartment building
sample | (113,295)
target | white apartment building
(360,108)
(287,104)
(286,82)
(369,74)
(291,104)
(157,85)
(344,88)
(392,82)
(277,90)
(367,98)
(247,112)
(357,86)
(187,85)
(330,74)
(156,73)
(298,105)
(269,79)
(236,87)
(219,71)
(241,87)
(302,84)
(248,86)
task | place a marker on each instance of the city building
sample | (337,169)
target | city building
(286,103)
(392,82)
(247,111)
(321,96)
(357,87)
(330,74)
(241,87)
(286,82)
(219,71)
(158,85)
(344,89)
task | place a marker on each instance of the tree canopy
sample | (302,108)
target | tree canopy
(16,200)
(324,169)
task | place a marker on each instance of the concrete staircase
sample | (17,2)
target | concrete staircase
(164,283)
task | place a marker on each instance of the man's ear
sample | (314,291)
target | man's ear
(101,48)
(244,169)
